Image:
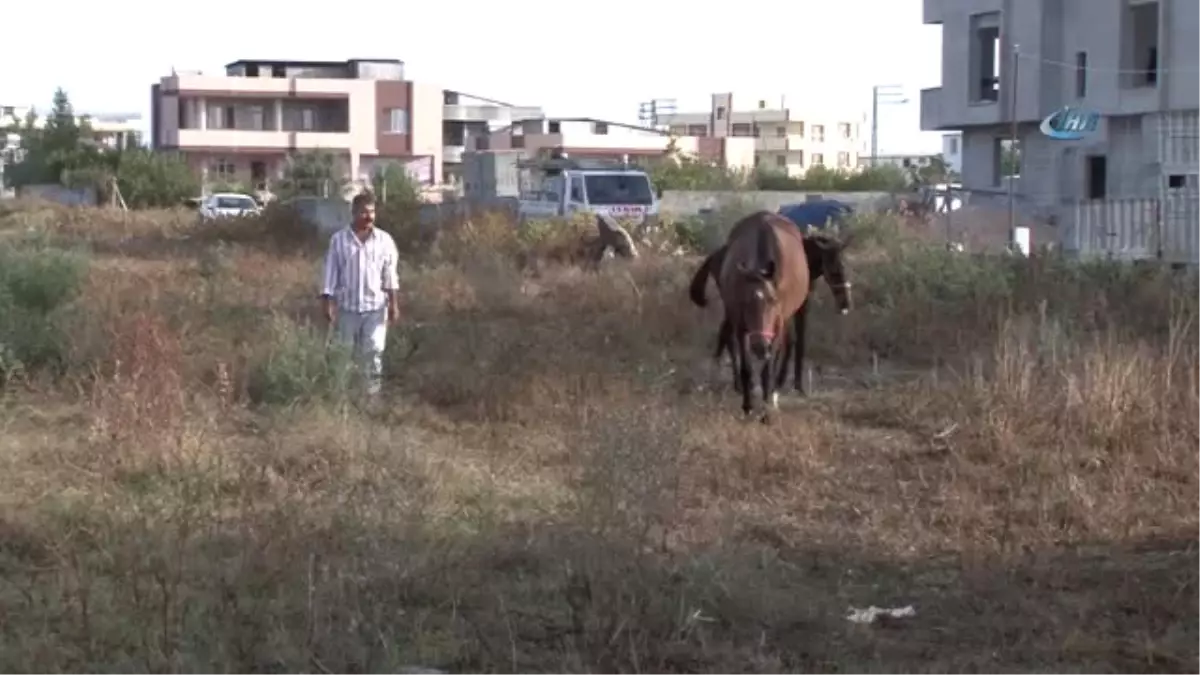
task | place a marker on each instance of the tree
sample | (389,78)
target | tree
(311,173)
(154,179)
(678,171)
(392,184)
(62,150)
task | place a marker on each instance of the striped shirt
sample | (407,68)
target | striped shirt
(357,273)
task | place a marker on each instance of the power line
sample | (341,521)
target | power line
(1119,71)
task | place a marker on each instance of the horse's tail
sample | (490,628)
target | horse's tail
(700,280)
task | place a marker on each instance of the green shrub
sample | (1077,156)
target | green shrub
(300,365)
(35,286)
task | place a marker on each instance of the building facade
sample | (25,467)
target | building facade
(467,118)
(587,138)
(1009,64)
(786,139)
(241,126)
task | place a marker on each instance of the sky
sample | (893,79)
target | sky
(574,59)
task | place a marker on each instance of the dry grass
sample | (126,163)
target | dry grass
(555,485)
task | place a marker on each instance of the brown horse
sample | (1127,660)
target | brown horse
(824,256)
(764,281)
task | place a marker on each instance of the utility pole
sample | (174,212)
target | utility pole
(890,93)
(1012,148)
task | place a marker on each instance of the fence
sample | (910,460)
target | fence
(1137,229)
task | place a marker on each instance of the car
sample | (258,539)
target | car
(228,205)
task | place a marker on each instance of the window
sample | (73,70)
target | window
(985,57)
(308,119)
(742,129)
(952,146)
(799,128)
(818,159)
(234,202)
(600,128)
(1006,158)
(1097,176)
(223,170)
(844,130)
(680,130)
(781,132)
(843,160)
(762,105)
(720,112)
(1080,74)
(257,116)
(554,127)
(818,133)
(1139,44)
(697,130)
(397,122)
(576,193)
(219,116)
(800,158)
(607,189)
(780,161)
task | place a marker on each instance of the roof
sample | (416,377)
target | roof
(623,125)
(308,64)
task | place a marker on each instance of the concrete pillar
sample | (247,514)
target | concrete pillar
(201,112)
(278,114)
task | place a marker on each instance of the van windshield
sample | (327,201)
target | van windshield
(617,188)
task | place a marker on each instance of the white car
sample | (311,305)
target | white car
(226,205)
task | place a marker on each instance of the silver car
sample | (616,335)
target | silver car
(226,205)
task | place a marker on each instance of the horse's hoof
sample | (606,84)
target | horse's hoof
(766,418)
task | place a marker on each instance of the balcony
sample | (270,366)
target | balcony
(456,112)
(265,87)
(236,139)
(931,109)
(792,142)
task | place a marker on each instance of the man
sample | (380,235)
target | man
(360,289)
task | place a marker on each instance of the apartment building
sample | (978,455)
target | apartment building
(1133,63)
(241,125)
(588,138)
(467,118)
(786,139)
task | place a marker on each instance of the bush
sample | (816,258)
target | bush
(300,365)
(153,179)
(35,285)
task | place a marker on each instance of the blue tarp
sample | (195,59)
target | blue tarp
(817,213)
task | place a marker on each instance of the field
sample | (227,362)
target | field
(559,480)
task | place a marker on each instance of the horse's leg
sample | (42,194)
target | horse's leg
(744,372)
(785,345)
(725,341)
(770,395)
(800,327)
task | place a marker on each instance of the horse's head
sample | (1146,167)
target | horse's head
(759,300)
(829,252)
